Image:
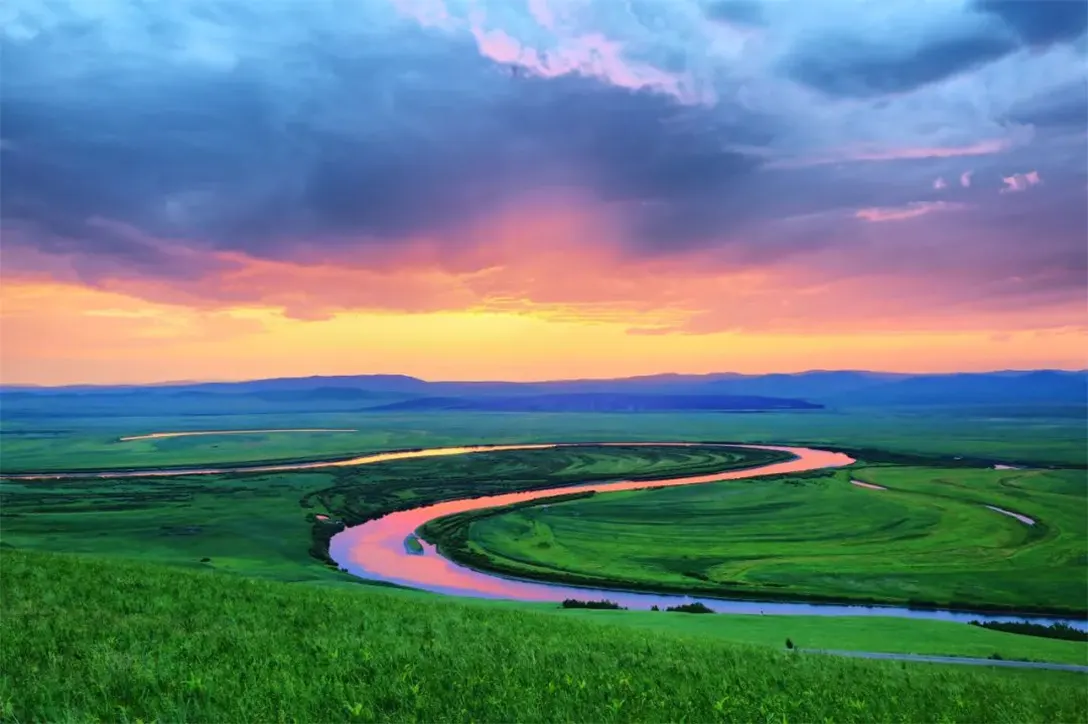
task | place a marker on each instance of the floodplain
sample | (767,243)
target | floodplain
(251,548)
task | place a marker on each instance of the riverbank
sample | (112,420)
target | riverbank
(799,539)
(473,571)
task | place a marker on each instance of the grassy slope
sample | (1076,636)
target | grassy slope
(1049,436)
(850,633)
(86,639)
(927,539)
(860,633)
(253,525)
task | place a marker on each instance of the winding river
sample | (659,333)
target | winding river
(376,549)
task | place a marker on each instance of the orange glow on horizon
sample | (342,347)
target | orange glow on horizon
(62,334)
(543,290)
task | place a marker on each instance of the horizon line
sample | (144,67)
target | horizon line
(181,383)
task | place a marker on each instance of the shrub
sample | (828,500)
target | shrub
(1053,631)
(691,608)
(575,603)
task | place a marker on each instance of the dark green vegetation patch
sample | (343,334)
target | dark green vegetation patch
(592,605)
(1058,631)
(692,608)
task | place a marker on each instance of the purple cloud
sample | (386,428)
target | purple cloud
(167,140)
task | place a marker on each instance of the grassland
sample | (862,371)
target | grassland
(1042,436)
(91,639)
(848,633)
(264,523)
(202,626)
(927,539)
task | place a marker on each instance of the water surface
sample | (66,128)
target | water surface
(375,550)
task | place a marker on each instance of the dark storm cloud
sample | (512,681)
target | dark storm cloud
(237,157)
(635,146)
(856,66)
(858,63)
(741,12)
(775,213)
(1061,108)
(1040,22)
(361,145)
(243,127)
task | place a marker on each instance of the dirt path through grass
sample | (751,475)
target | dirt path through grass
(964,660)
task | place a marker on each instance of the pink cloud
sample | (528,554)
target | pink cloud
(965,178)
(566,260)
(592,55)
(845,155)
(1020,182)
(940,183)
(982,148)
(910,211)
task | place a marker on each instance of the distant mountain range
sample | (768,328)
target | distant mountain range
(667,392)
(600,402)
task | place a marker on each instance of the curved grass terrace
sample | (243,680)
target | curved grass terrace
(925,539)
(59,438)
(726,456)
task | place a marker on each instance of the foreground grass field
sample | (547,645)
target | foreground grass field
(89,639)
(927,539)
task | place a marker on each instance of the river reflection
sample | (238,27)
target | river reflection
(376,550)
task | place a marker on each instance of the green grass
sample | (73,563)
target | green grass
(412,545)
(60,441)
(263,523)
(851,633)
(87,639)
(171,637)
(927,539)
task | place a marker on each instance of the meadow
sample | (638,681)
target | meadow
(181,585)
(265,523)
(928,539)
(1012,434)
(88,639)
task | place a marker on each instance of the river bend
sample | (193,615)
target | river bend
(376,550)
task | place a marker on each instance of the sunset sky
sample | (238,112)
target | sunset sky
(535,189)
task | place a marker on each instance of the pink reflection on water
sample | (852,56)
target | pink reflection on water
(375,549)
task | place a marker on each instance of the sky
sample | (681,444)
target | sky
(540,189)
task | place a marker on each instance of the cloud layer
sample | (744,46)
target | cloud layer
(690,167)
